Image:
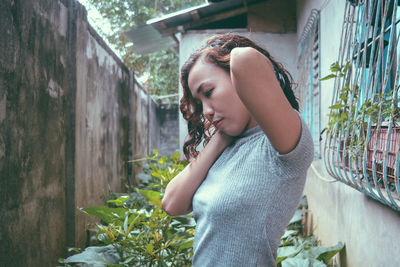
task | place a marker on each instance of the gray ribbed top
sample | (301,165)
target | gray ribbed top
(247,199)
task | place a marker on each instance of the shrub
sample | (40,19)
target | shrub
(297,249)
(136,226)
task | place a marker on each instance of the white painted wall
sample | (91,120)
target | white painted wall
(370,230)
(281,46)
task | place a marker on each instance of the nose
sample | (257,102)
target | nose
(208,111)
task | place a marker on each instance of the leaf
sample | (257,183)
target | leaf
(150,248)
(119,201)
(343,97)
(289,233)
(162,263)
(161,160)
(346,88)
(128,260)
(152,196)
(155,153)
(346,67)
(183,220)
(186,244)
(105,213)
(299,262)
(285,252)
(330,76)
(320,253)
(132,224)
(330,252)
(126,222)
(335,67)
(157,175)
(74,249)
(175,156)
(337,106)
(95,256)
(297,216)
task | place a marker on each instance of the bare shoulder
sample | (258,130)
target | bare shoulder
(249,66)
(244,58)
(240,52)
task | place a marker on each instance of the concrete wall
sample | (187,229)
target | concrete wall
(102,114)
(71,116)
(36,149)
(281,46)
(168,118)
(155,126)
(369,229)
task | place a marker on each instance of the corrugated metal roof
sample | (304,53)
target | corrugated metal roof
(159,33)
(147,39)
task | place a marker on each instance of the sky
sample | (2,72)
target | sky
(95,17)
(101,24)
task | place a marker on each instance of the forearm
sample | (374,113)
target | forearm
(179,192)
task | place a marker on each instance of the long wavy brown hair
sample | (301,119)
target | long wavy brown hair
(216,50)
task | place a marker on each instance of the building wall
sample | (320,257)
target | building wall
(272,16)
(369,229)
(281,46)
(71,116)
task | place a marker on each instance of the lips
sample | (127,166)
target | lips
(218,123)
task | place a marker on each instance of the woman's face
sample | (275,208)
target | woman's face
(221,105)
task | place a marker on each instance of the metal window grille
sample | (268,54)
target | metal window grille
(363,140)
(309,78)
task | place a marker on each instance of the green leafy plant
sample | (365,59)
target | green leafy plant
(378,107)
(297,249)
(349,115)
(340,110)
(137,228)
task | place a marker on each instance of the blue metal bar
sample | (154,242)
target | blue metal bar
(359,152)
(386,76)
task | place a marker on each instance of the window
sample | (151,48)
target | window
(309,75)
(363,140)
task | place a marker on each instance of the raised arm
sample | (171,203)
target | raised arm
(179,192)
(254,79)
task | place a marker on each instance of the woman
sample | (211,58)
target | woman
(245,185)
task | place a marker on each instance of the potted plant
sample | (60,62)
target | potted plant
(348,127)
(346,131)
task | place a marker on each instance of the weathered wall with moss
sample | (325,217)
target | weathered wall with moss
(102,113)
(36,69)
(71,116)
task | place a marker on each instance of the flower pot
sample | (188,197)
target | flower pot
(379,138)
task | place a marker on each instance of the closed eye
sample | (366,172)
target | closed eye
(208,93)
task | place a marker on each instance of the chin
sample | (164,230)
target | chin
(233,132)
